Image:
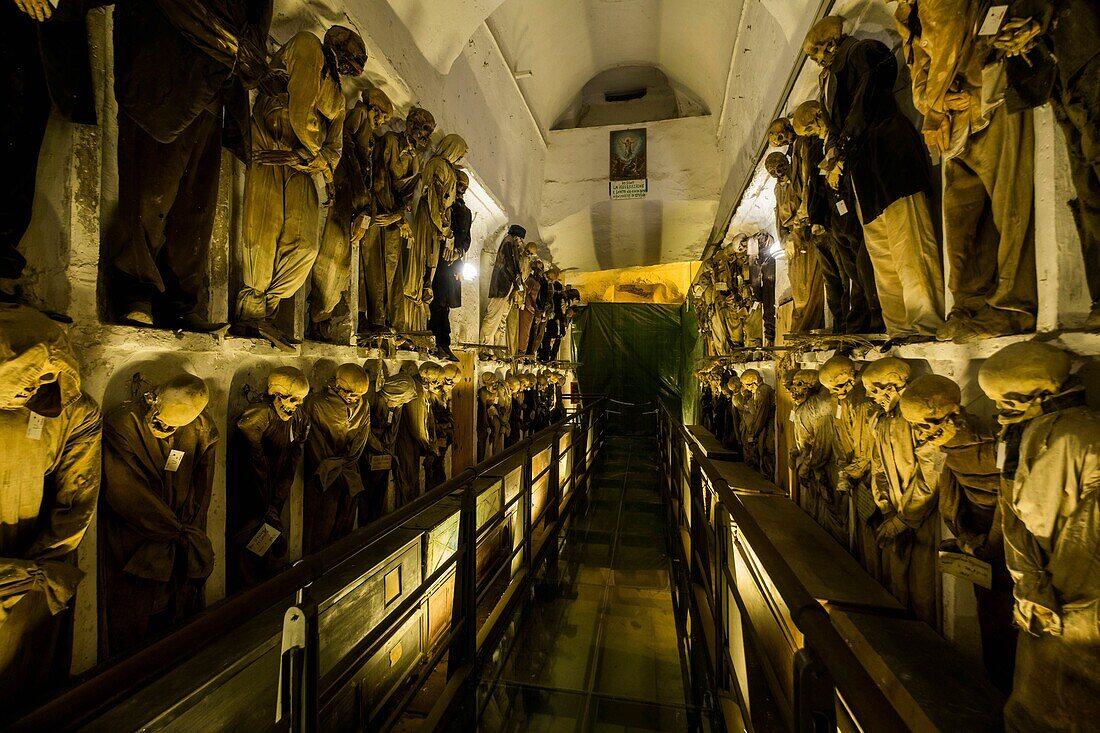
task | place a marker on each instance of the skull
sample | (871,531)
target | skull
(803,383)
(488,379)
(809,119)
(462,182)
(287,387)
(452,148)
(348,48)
(515,383)
(379,107)
(1018,377)
(419,126)
(751,380)
(824,39)
(838,375)
(399,389)
(553,273)
(931,404)
(885,380)
(350,383)
(431,376)
(450,377)
(731,386)
(778,166)
(37,368)
(175,404)
(531,249)
(780,133)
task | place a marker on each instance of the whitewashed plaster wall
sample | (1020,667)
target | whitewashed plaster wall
(585,229)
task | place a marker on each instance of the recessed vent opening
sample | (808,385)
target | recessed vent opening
(628,95)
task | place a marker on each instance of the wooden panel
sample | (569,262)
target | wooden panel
(712,448)
(929,683)
(741,478)
(825,568)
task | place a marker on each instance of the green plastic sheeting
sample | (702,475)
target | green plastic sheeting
(637,354)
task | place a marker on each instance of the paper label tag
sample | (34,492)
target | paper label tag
(839,410)
(35,425)
(175,457)
(966,567)
(263,540)
(1002,455)
(841,208)
(791,416)
(381,463)
(722,287)
(993,20)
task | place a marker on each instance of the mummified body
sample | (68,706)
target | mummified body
(158,472)
(49,482)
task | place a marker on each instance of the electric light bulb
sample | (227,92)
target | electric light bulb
(469,271)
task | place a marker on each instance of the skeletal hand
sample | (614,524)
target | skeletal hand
(889,530)
(1017,36)
(40,10)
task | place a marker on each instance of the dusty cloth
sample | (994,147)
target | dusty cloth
(352,184)
(494,324)
(969,504)
(758,430)
(989,239)
(908,273)
(906,488)
(811,432)
(485,414)
(42,62)
(529,312)
(1051,531)
(179,97)
(338,435)
(155,554)
(802,270)
(280,201)
(51,485)
(441,436)
(507,275)
(882,151)
(267,452)
(412,443)
(396,173)
(853,444)
(447,281)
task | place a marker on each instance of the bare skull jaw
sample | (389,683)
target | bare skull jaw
(936,431)
(285,405)
(1013,409)
(885,396)
(842,389)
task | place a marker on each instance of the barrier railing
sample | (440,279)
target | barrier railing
(347,637)
(704,515)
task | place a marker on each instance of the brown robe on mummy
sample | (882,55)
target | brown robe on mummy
(338,435)
(268,451)
(155,554)
(49,484)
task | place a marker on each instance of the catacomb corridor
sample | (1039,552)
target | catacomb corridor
(723,366)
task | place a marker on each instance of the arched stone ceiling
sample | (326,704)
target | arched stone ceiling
(564,43)
(442,28)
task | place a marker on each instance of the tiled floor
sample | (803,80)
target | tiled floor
(599,653)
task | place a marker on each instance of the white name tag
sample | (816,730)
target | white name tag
(34,426)
(381,463)
(865,502)
(722,287)
(175,457)
(993,20)
(791,416)
(966,567)
(839,410)
(841,208)
(263,540)
(1002,455)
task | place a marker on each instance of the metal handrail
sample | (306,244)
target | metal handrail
(110,682)
(872,708)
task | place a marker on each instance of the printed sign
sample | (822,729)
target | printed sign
(966,567)
(993,20)
(381,463)
(175,457)
(262,541)
(628,167)
(865,502)
(34,426)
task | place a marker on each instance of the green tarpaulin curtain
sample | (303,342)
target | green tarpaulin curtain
(638,355)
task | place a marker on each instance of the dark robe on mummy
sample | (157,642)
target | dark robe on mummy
(338,435)
(441,433)
(267,452)
(155,554)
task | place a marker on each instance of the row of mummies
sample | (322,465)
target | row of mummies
(147,468)
(852,173)
(733,296)
(183,72)
(515,405)
(739,410)
(882,455)
(530,308)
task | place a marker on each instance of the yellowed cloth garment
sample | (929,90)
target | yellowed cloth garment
(853,446)
(332,269)
(905,488)
(989,238)
(493,325)
(1052,547)
(810,422)
(281,214)
(908,270)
